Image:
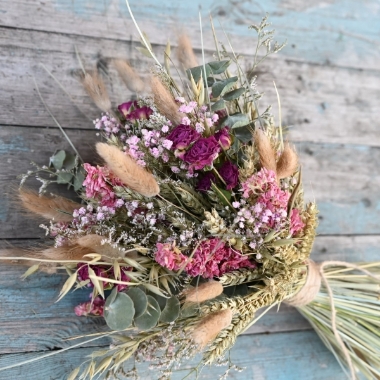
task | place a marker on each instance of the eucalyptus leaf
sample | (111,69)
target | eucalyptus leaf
(219,67)
(219,105)
(198,72)
(220,88)
(140,301)
(189,310)
(69,162)
(79,179)
(112,296)
(64,177)
(171,310)
(235,120)
(244,134)
(119,313)
(57,159)
(224,195)
(151,316)
(234,94)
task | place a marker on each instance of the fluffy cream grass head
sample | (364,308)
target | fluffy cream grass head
(128,171)
(57,208)
(129,76)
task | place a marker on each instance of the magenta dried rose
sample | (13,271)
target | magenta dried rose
(202,153)
(224,138)
(204,184)
(132,111)
(182,136)
(230,173)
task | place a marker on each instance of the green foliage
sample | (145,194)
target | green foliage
(171,310)
(119,311)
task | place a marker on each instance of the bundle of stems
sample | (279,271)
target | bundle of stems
(346,316)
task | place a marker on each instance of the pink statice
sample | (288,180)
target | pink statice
(98,183)
(93,307)
(108,124)
(296,223)
(259,182)
(169,256)
(213,258)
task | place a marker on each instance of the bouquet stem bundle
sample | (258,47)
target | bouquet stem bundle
(345,313)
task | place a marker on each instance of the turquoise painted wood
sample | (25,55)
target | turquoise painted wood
(329,82)
(296,355)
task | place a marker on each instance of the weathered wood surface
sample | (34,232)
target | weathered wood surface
(329,82)
(260,355)
(340,107)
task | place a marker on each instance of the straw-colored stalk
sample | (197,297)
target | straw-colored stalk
(210,326)
(356,302)
(165,102)
(128,171)
(57,208)
(204,292)
(96,89)
(185,52)
(287,163)
(94,242)
(129,76)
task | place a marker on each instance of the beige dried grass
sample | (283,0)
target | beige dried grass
(204,292)
(129,76)
(165,102)
(265,149)
(210,326)
(94,242)
(128,171)
(287,163)
(58,208)
(96,89)
(185,52)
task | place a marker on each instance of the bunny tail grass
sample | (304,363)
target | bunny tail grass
(185,52)
(129,76)
(57,208)
(128,171)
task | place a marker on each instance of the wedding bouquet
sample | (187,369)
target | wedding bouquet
(194,220)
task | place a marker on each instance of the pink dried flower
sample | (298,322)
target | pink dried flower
(169,256)
(213,258)
(296,223)
(259,182)
(132,111)
(94,307)
(230,173)
(202,153)
(97,186)
(223,136)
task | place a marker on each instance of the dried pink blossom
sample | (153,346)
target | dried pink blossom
(93,307)
(296,223)
(169,256)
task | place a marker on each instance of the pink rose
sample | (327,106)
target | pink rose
(224,138)
(204,184)
(202,153)
(230,173)
(132,111)
(182,136)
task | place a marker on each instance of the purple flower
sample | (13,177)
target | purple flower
(230,173)
(202,153)
(224,138)
(182,136)
(204,184)
(133,112)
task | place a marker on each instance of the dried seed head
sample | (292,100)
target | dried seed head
(287,163)
(128,171)
(129,75)
(165,101)
(57,208)
(94,242)
(185,52)
(210,326)
(204,292)
(95,88)
(265,150)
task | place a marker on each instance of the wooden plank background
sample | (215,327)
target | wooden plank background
(329,81)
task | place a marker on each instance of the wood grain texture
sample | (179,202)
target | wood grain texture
(295,355)
(329,82)
(340,107)
(338,32)
(343,179)
(30,320)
